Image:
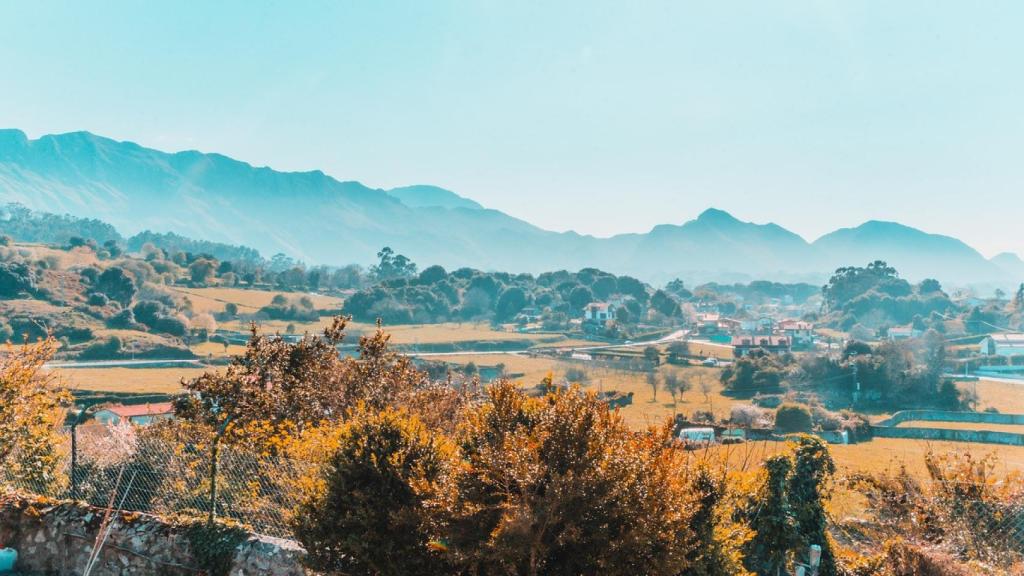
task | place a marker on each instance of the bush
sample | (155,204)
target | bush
(98,299)
(106,350)
(377,528)
(793,418)
(16,278)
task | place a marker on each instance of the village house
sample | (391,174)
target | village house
(141,414)
(904,333)
(1005,344)
(800,333)
(744,344)
(598,312)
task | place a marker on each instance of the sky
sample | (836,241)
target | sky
(600,117)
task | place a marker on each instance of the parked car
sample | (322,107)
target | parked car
(711,362)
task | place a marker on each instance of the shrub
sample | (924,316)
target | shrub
(793,418)
(379,527)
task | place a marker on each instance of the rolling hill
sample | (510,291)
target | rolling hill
(321,220)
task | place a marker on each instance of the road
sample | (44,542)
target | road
(677,336)
(119,363)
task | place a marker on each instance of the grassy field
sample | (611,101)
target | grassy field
(138,380)
(644,410)
(1005,397)
(1016,428)
(212,300)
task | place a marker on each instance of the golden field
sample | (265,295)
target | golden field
(136,380)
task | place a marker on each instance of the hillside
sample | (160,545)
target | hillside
(320,220)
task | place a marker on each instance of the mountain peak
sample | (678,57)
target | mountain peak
(714,215)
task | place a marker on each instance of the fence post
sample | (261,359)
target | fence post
(213,467)
(74,453)
(213,479)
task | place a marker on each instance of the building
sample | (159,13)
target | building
(697,435)
(744,344)
(904,333)
(140,414)
(1004,344)
(800,333)
(599,312)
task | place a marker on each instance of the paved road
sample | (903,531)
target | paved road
(119,363)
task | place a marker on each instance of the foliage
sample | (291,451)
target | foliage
(559,485)
(370,519)
(772,521)
(213,546)
(793,418)
(756,372)
(31,412)
(278,386)
(16,279)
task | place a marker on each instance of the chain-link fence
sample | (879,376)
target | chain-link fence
(979,521)
(169,478)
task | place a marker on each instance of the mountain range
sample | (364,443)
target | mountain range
(320,220)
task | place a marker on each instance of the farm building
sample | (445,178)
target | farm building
(1006,344)
(744,344)
(140,414)
(697,435)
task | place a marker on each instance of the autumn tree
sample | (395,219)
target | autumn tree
(560,485)
(31,412)
(279,386)
(372,517)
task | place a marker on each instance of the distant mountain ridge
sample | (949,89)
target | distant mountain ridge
(316,218)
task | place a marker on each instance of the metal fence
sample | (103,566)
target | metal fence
(169,478)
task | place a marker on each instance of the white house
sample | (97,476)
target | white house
(1005,344)
(140,414)
(697,435)
(600,312)
(800,333)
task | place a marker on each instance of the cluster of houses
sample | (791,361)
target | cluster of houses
(745,335)
(139,414)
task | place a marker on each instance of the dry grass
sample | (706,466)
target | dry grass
(1016,428)
(1005,397)
(212,300)
(137,380)
(216,350)
(709,350)
(644,410)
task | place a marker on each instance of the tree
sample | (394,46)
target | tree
(16,278)
(652,355)
(560,485)
(675,385)
(1018,300)
(772,521)
(793,418)
(653,381)
(372,517)
(509,303)
(432,275)
(665,304)
(392,265)
(278,386)
(116,285)
(202,271)
(580,297)
(31,413)
(807,492)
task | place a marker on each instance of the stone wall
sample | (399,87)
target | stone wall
(54,537)
(949,416)
(888,427)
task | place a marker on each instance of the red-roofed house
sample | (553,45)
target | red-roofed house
(140,414)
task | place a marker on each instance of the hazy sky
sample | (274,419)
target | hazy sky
(598,117)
